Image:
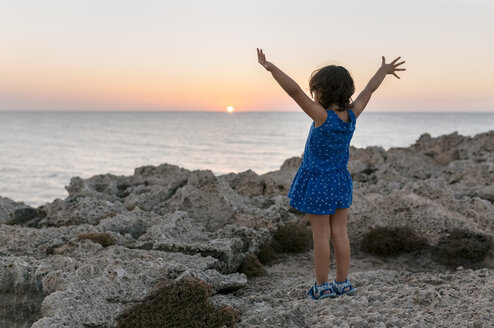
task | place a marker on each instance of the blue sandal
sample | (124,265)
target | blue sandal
(321,291)
(342,288)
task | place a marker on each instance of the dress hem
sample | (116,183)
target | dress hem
(299,208)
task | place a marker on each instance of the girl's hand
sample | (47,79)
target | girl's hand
(391,68)
(261,58)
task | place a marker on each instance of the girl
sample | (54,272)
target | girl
(322,186)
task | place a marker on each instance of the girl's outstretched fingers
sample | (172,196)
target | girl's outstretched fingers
(394,61)
(395,66)
(261,58)
(392,67)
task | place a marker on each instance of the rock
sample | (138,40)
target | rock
(26,216)
(180,233)
(103,238)
(97,289)
(247,183)
(19,276)
(194,191)
(219,282)
(134,222)
(364,162)
(443,150)
(252,239)
(120,249)
(202,199)
(76,210)
(8,207)
(103,183)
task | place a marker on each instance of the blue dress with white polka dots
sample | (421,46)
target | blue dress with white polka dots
(322,182)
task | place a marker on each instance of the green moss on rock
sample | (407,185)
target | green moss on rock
(461,247)
(384,241)
(267,253)
(252,267)
(102,238)
(292,238)
(178,304)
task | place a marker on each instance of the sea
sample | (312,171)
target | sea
(41,151)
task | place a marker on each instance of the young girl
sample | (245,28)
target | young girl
(322,186)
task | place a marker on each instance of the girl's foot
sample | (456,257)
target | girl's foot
(341,288)
(322,291)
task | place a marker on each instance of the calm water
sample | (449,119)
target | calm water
(41,151)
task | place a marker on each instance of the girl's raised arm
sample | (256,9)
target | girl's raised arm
(313,109)
(364,96)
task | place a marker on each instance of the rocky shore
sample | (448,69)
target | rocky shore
(170,247)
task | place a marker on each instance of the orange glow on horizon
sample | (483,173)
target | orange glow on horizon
(112,89)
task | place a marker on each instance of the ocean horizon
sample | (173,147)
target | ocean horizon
(42,150)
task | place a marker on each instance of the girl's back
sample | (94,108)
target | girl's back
(327,146)
(322,183)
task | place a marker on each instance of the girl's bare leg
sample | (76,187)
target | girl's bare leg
(341,243)
(321,233)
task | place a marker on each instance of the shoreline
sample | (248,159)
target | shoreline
(216,173)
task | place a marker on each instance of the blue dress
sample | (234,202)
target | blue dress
(322,182)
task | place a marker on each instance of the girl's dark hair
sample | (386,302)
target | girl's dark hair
(335,85)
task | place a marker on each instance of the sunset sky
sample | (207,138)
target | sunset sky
(201,55)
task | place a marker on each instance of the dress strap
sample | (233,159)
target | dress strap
(353,118)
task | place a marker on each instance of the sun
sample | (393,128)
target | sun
(230,109)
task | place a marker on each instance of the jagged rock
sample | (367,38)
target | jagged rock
(252,239)
(79,210)
(8,207)
(97,289)
(247,183)
(180,233)
(25,216)
(160,183)
(105,239)
(103,183)
(202,199)
(220,283)
(194,191)
(443,150)
(19,276)
(38,243)
(364,162)
(83,260)
(470,174)
(133,223)
(278,182)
